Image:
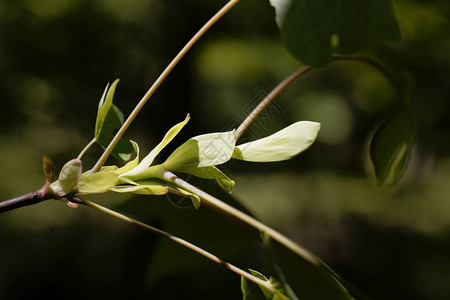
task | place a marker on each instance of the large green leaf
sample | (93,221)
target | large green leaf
(314,30)
(389,148)
(110,119)
(202,151)
(281,145)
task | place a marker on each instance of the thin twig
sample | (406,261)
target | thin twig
(275,92)
(89,145)
(158,82)
(225,208)
(186,244)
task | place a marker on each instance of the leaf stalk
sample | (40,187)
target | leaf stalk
(158,82)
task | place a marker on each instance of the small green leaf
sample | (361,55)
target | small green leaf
(103,107)
(148,160)
(314,30)
(272,266)
(212,172)
(144,187)
(390,147)
(132,164)
(68,178)
(202,151)
(250,290)
(110,119)
(49,169)
(70,173)
(109,169)
(281,145)
(97,183)
(196,201)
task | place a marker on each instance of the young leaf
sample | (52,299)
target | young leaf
(389,148)
(212,172)
(97,183)
(281,145)
(144,187)
(202,151)
(69,175)
(68,178)
(148,160)
(317,280)
(272,266)
(314,30)
(250,290)
(131,164)
(196,201)
(49,169)
(109,119)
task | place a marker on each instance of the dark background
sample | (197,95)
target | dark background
(56,57)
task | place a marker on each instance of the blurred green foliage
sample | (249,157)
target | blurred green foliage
(57,56)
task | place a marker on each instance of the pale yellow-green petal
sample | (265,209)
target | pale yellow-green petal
(281,145)
(202,151)
(148,160)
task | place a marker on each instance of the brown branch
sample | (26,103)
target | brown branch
(23,200)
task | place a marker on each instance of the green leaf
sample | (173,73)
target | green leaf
(314,30)
(251,291)
(299,277)
(68,178)
(97,183)
(69,175)
(109,169)
(132,164)
(144,187)
(202,151)
(271,264)
(390,147)
(212,172)
(281,145)
(110,119)
(196,201)
(148,160)
(106,102)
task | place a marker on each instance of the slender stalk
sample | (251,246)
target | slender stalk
(186,244)
(89,145)
(275,92)
(227,209)
(158,82)
(303,70)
